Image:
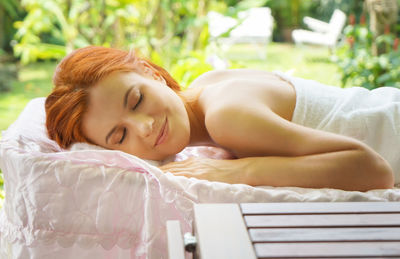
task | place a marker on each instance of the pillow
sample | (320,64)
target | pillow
(90,202)
(98,199)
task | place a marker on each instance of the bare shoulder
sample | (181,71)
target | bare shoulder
(230,124)
(246,88)
(238,104)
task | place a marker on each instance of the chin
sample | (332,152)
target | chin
(179,149)
(175,144)
(176,148)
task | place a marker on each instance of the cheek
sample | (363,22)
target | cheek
(178,103)
(181,114)
(171,102)
(137,148)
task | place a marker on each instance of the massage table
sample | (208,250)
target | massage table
(290,230)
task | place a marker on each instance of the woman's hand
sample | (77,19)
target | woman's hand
(352,170)
(228,171)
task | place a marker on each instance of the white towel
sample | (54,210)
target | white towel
(372,117)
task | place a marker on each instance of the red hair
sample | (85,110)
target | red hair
(76,73)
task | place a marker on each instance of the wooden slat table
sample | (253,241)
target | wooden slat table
(298,230)
(330,230)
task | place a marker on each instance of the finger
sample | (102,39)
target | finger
(179,164)
(173,168)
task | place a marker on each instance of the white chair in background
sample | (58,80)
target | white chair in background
(322,33)
(253,26)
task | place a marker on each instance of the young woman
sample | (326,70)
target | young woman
(284,131)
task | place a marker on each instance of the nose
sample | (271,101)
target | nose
(142,124)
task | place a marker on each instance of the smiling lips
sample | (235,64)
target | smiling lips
(163,133)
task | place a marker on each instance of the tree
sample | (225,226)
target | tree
(53,28)
(10,11)
(383,17)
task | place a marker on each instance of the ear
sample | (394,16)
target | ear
(149,71)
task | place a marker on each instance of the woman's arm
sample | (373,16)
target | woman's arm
(346,170)
(277,152)
(253,129)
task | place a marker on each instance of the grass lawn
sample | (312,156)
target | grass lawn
(310,62)
(34,81)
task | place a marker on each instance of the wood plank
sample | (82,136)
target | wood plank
(323,220)
(324,234)
(319,207)
(321,250)
(176,248)
(221,232)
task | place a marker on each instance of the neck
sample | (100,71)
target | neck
(198,132)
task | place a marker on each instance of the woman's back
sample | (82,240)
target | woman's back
(372,117)
(245,86)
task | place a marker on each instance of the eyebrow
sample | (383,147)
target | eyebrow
(125,104)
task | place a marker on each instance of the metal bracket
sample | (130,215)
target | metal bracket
(190,242)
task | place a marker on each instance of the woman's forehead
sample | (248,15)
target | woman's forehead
(117,79)
(102,112)
(106,97)
(112,88)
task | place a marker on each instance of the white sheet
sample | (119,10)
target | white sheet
(372,117)
(108,204)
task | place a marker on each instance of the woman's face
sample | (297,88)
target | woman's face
(138,114)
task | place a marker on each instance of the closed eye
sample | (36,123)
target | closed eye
(123,136)
(138,102)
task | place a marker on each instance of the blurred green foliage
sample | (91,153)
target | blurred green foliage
(34,80)
(8,72)
(2,194)
(358,65)
(173,33)
(10,11)
(158,28)
(53,28)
